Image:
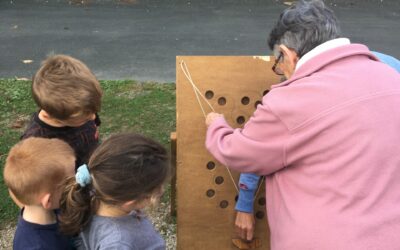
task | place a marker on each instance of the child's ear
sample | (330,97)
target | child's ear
(44,114)
(129,205)
(45,201)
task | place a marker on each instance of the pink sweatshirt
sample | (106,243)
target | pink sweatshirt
(328,140)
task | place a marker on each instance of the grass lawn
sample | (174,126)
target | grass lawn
(128,106)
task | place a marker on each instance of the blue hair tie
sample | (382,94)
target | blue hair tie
(82,176)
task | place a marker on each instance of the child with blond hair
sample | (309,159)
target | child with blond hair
(34,171)
(103,202)
(68,96)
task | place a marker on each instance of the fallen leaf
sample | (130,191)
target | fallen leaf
(288,3)
(21,78)
(27,61)
(18,124)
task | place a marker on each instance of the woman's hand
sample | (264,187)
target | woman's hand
(211,117)
(244,225)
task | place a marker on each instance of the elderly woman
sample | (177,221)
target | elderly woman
(327,139)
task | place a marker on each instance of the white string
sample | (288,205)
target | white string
(195,89)
(259,187)
(198,93)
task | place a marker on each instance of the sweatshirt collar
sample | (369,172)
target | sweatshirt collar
(325,58)
(331,44)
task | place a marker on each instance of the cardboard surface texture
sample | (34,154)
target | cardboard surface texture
(234,86)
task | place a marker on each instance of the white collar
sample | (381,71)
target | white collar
(331,44)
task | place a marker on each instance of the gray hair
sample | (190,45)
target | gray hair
(304,26)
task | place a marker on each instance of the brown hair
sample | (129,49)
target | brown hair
(37,165)
(123,168)
(66,88)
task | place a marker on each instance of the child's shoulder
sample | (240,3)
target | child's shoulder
(36,236)
(127,230)
(38,128)
(102,231)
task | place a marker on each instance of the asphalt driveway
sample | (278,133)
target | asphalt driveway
(139,39)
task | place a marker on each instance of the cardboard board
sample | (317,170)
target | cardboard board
(234,86)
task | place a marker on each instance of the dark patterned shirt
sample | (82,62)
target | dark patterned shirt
(82,139)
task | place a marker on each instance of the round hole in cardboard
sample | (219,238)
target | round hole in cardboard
(221,101)
(240,119)
(210,165)
(260,214)
(219,180)
(224,204)
(209,94)
(245,100)
(210,193)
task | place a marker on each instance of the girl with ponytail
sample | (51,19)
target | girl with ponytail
(102,202)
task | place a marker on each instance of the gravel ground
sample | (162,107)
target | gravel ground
(164,223)
(6,236)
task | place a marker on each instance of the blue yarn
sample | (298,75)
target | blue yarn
(82,176)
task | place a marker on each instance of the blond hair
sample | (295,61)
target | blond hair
(66,88)
(37,165)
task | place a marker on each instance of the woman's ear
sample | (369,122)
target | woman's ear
(289,55)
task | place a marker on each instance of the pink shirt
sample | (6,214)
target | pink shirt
(328,140)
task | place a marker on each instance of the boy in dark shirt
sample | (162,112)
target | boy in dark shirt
(82,139)
(34,171)
(69,97)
